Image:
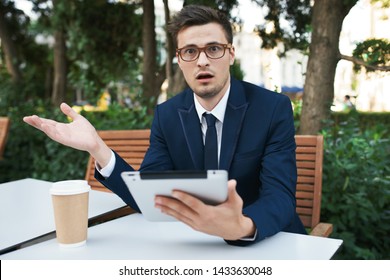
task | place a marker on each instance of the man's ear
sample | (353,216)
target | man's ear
(232,55)
(232,60)
(178,60)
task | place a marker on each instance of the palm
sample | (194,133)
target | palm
(78,134)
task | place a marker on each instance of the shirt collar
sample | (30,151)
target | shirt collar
(218,111)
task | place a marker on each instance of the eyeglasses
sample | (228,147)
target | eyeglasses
(213,51)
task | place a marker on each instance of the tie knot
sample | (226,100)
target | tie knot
(210,119)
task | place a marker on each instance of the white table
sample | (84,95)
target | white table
(133,237)
(26,210)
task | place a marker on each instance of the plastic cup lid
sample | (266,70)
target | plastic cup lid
(69,187)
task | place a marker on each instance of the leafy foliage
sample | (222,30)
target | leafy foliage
(17,23)
(290,21)
(236,71)
(374,52)
(224,5)
(356,189)
(103,39)
(382,3)
(12,94)
(28,56)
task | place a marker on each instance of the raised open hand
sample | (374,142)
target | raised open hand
(78,134)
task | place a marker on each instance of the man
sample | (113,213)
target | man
(255,139)
(348,105)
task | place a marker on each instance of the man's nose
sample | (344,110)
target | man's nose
(203,59)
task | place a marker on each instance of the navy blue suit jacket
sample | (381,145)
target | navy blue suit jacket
(257,149)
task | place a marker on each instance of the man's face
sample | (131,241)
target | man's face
(208,78)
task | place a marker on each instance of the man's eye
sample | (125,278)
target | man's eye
(190,51)
(214,49)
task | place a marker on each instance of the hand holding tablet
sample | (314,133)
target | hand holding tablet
(209,186)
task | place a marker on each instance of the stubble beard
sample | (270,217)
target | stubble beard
(209,91)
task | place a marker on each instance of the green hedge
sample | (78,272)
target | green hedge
(356,187)
(365,120)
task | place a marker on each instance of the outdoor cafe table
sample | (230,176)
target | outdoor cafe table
(133,237)
(26,211)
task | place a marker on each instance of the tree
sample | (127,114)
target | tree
(104,42)
(149,72)
(324,21)
(170,49)
(327,20)
(9,17)
(59,52)
(95,42)
(26,61)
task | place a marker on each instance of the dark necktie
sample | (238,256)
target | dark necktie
(210,144)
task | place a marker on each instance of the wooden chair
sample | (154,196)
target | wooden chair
(131,145)
(4,127)
(309,154)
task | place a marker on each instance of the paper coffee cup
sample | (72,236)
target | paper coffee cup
(70,204)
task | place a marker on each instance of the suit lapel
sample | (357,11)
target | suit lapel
(234,117)
(192,130)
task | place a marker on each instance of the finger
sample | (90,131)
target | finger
(48,122)
(37,122)
(173,205)
(175,214)
(189,200)
(50,130)
(32,120)
(67,110)
(170,202)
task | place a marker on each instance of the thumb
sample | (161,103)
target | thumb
(233,196)
(67,110)
(232,188)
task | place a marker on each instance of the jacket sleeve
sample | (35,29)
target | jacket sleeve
(274,210)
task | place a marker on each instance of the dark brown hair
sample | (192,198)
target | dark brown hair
(193,15)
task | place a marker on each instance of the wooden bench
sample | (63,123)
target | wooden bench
(132,145)
(4,127)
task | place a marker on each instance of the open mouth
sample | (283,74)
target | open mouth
(205,76)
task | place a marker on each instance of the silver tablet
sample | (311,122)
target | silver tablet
(209,186)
